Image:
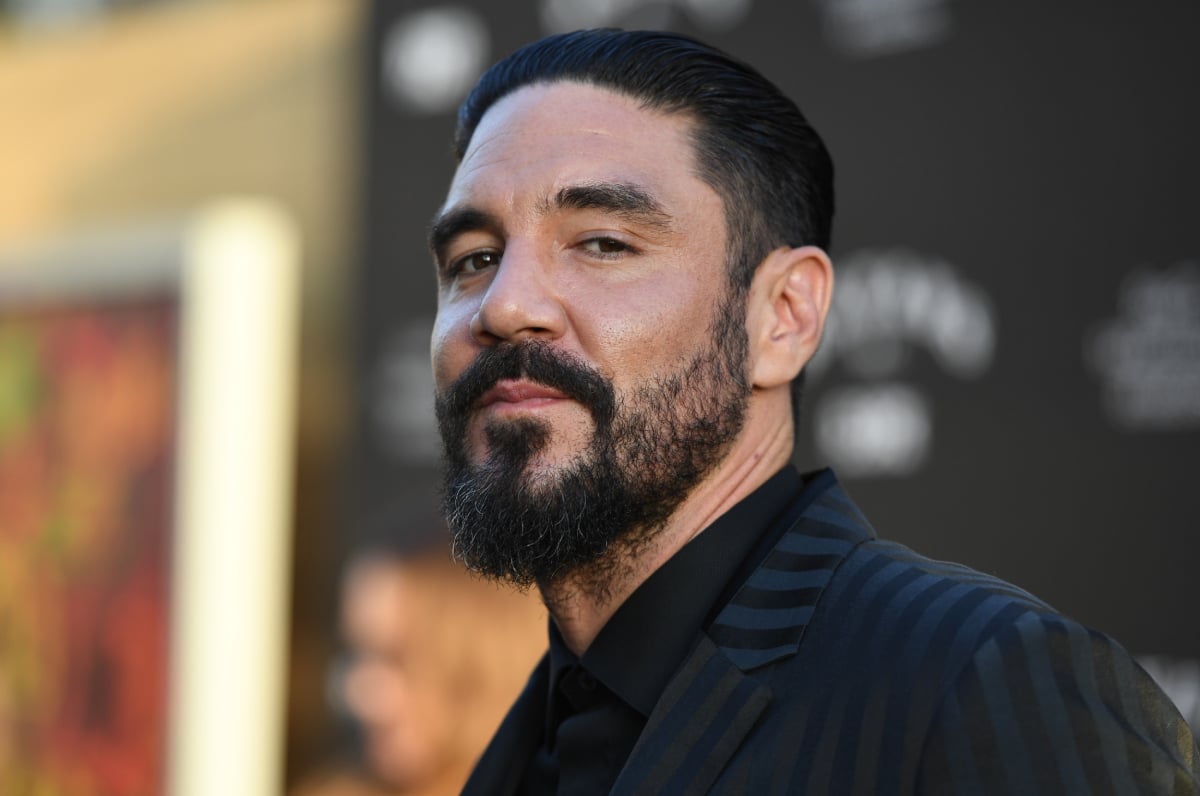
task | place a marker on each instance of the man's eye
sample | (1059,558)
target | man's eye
(605,246)
(475,262)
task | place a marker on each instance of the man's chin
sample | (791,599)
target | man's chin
(552,464)
(533,451)
(541,474)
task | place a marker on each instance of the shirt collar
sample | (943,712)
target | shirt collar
(652,632)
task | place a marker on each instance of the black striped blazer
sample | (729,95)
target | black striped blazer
(847,664)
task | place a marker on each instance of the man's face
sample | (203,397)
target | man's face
(588,357)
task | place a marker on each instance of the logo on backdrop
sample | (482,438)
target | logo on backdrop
(1148,356)
(400,398)
(712,15)
(870,28)
(431,58)
(888,307)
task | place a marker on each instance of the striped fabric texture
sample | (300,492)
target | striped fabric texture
(846,664)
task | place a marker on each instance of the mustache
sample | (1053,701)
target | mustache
(537,361)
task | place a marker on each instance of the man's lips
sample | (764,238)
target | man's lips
(514,393)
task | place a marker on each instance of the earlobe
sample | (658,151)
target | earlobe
(789,301)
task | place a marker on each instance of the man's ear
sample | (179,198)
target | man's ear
(788,303)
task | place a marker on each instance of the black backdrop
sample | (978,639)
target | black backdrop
(1012,379)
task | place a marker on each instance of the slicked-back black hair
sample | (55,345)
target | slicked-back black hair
(753,145)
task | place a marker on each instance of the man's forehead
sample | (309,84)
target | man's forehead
(573,114)
(568,104)
(545,138)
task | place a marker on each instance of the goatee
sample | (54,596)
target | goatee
(648,449)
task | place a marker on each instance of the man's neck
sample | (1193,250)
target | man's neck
(582,603)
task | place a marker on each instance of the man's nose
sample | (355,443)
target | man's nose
(521,302)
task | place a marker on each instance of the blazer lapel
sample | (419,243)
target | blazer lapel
(498,773)
(712,703)
(766,619)
(708,708)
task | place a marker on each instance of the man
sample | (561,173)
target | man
(632,276)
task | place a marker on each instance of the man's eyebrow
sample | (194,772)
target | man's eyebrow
(446,226)
(623,199)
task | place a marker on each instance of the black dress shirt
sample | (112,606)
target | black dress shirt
(598,705)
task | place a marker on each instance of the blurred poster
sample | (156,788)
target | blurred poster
(87,394)
(146,405)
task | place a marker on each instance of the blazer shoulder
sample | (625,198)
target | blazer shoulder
(1029,700)
(900,563)
(896,598)
(1048,705)
(830,569)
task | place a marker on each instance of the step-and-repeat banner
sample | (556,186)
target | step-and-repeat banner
(1012,374)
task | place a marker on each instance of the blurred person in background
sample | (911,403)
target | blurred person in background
(434,658)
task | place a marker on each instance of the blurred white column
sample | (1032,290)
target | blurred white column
(239,348)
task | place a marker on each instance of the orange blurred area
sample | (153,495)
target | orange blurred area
(434,658)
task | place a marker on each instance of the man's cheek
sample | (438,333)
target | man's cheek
(450,346)
(446,368)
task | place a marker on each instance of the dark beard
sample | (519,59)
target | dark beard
(647,452)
